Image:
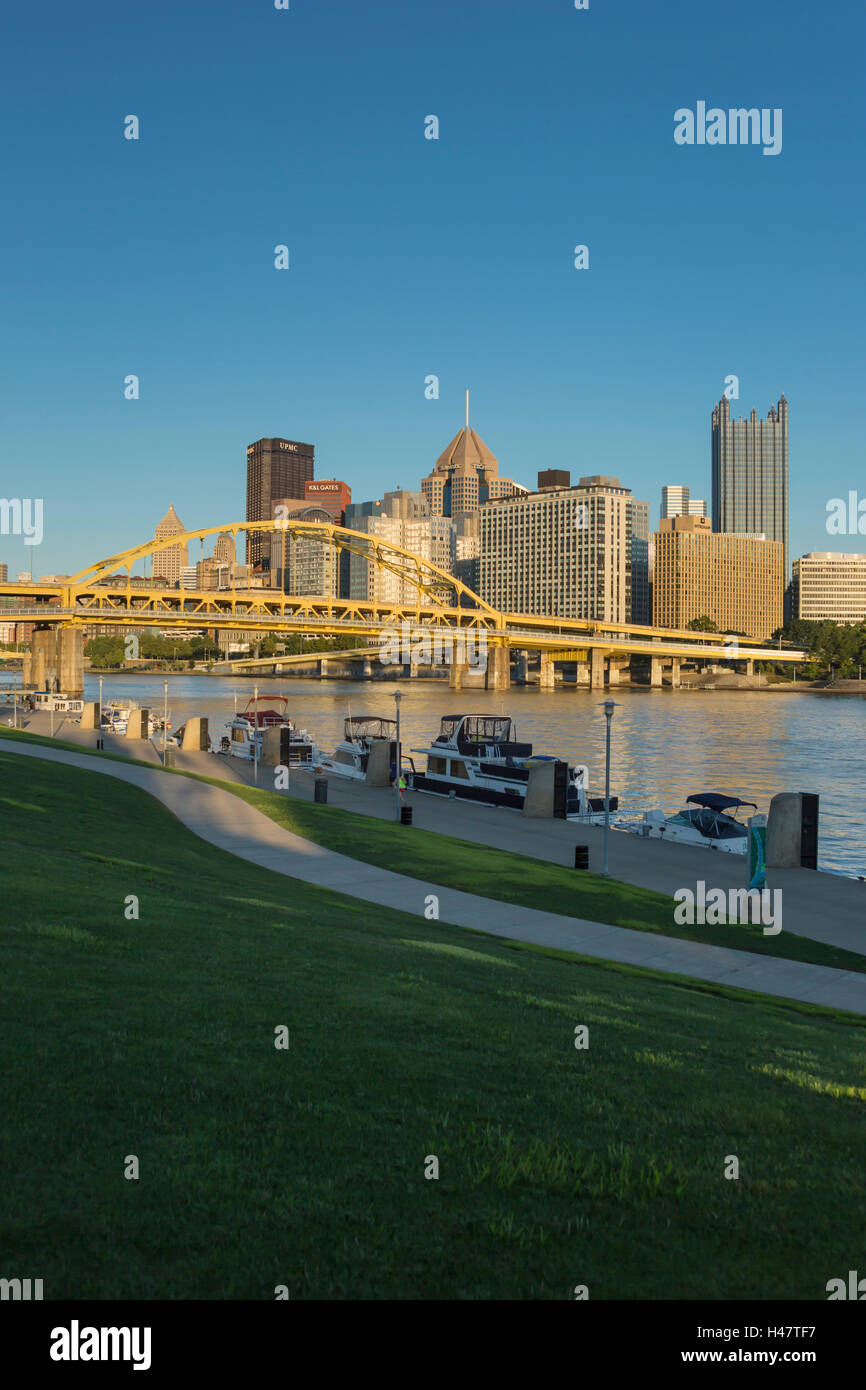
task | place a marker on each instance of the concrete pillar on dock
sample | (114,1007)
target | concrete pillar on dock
(655,671)
(498,674)
(195,735)
(70,660)
(91,715)
(270,750)
(547,672)
(676,662)
(137,726)
(597,668)
(378,772)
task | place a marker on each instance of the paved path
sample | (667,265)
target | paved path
(229,823)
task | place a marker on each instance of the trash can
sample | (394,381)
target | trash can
(168,755)
(405,815)
(581,856)
(320,790)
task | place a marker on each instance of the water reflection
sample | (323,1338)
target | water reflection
(666,744)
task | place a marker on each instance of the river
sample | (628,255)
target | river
(666,744)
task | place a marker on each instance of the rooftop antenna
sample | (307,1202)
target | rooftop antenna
(467,410)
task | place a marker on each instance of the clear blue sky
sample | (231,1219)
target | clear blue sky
(411,256)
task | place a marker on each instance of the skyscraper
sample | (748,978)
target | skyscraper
(275,468)
(750,474)
(465,476)
(677,501)
(167,564)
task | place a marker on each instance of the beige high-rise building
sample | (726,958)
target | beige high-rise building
(224,551)
(562,551)
(402,519)
(168,563)
(735,580)
(829,585)
(464,477)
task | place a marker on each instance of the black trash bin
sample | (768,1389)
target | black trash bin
(581,856)
(320,790)
(405,815)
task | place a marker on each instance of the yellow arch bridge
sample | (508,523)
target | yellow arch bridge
(429,600)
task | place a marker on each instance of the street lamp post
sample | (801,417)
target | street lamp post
(164,721)
(99,728)
(256,735)
(398,695)
(609,707)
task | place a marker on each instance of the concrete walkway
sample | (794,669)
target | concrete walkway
(229,823)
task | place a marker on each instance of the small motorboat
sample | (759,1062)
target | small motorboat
(708,819)
(247,731)
(352,753)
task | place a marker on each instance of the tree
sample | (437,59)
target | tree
(702,624)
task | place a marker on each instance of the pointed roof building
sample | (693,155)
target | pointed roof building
(465,476)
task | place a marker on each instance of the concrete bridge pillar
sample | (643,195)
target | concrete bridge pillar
(750,668)
(498,674)
(676,662)
(582,674)
(597,669)
(612,672)
(522,667)
(655,671)
(367,671)
(547,676)
(456,672)
(44,671)
(323,668)
(70,652)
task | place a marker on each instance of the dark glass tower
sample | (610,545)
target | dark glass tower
(276,468)
(750,474)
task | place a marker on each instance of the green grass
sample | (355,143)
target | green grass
(507,877)
(408,1038)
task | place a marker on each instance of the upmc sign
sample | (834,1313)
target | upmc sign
(292,447)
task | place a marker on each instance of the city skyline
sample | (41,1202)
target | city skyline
(156,257)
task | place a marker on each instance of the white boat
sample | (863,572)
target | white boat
(115,718)
(352,753)
(247,732)
(477,757)
(60,704)
(704,821)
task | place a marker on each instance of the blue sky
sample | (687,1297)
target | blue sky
(411,256)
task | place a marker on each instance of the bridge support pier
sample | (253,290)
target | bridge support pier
(522,667)
(612,672)
(547,673)
(597,669)
(56,660)
(655,671)
(675,672)
(750,668)
(323,668)
(498,674)
(582,673)
(70,652)
(456,672)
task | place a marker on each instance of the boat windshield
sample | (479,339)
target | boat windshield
(476,728)
(368,726)
(713,824)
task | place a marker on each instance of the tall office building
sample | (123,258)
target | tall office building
(403,519)
(641,603)
(464,477)
(275,468)
(4,574)
(332,494)
(167,564)
(829,585)
(224,550)
(734,580)
(303,564)
(677,501)
(750,474)
(561,552)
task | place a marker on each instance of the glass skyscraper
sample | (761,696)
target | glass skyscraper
(750,474)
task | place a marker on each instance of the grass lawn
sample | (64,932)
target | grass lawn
(408,1038)
(512,878)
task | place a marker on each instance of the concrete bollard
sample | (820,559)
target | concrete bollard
(195,736)
(90,715)
(137,725)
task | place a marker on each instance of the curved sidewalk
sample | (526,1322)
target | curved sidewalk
(233,825)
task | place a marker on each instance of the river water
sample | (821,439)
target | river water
(666,744)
